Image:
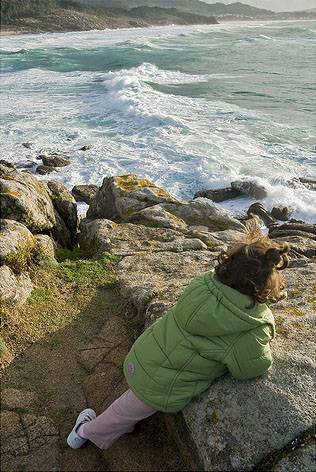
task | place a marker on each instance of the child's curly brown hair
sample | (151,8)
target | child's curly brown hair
(253,268)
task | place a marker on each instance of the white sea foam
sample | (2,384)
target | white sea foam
(135,123)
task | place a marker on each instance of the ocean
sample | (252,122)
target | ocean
(190,107)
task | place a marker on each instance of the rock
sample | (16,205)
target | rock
(55,161)
(154,281)
(219,195)
(65,205)
(25,164)
(294,229)
(203,212)
(114,338)
(210,239)
(84,193)
(85,148)
(25,199)
(14,290)
(281,213)
(11,398)
(44,170)
(259,210)
(61,233)
(300,460)
(232,426)
(308,182)
(45,245)
(14,235)
(27,145)
(252,189)
(120,197)
(300,247)
(229,236)
(157,216)
(29,443)
(99,236)
(3,162)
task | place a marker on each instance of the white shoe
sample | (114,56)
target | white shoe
(74,440)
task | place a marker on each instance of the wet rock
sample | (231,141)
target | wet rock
(205,213)
(281,213)
(25,199)
(55,161)
(44,170)
(27,165)
(99,236)
(308,182)
(259,210)
(219,195)
(252,189)
(14,235)
(65,205)
(7,163)
(120,197)
(84,193)
(85,148)
(14,289)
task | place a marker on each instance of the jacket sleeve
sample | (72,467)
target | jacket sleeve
(250,356)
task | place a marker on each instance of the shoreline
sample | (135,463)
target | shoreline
(20,32)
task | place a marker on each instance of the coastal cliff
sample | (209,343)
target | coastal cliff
(77,292)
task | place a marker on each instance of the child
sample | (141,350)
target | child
(220,323)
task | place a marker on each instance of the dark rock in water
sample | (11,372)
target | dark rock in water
(85,148)
(308,182)
(55,161)
(43,170)
(27,145)
(84,193)
(219,195)
(252,189)
(259,210)
(25,165)
(281,213)
(3,162)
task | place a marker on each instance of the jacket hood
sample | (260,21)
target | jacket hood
(210,308)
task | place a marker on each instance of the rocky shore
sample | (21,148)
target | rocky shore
(156,244)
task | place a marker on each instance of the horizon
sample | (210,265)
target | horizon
(274,5)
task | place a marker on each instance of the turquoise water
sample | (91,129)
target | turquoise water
(189,107)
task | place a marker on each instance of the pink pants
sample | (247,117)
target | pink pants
(118,419)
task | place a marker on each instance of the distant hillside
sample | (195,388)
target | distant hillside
(232,11)
(36,16)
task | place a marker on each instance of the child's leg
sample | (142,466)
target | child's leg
(118,419)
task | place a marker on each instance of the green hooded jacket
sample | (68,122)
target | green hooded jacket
(211,330)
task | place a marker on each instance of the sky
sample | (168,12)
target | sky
(275,5)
